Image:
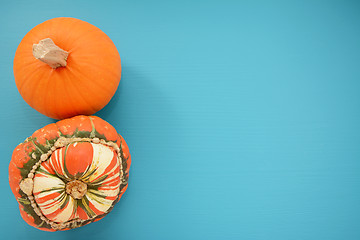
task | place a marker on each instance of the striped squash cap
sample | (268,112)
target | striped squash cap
(69,173)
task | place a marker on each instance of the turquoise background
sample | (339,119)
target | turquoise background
(242,117)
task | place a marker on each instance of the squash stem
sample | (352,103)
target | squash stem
(47,52)
(76,189)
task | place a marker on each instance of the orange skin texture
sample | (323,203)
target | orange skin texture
(46,133)
(84,86)
(30,220)
(18,159)
(53,131)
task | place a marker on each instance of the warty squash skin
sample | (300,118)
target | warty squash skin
(82,87)
(70,173)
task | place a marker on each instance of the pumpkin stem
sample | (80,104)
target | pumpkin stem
(47,52)
(76,189)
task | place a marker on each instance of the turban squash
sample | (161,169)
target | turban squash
(69,173)
(65,67)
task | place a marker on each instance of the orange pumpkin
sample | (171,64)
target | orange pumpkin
(66,67)
(69,173)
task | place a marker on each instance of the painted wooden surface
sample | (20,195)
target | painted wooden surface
(242,117)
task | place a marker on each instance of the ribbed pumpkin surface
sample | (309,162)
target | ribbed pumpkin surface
(84,86)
